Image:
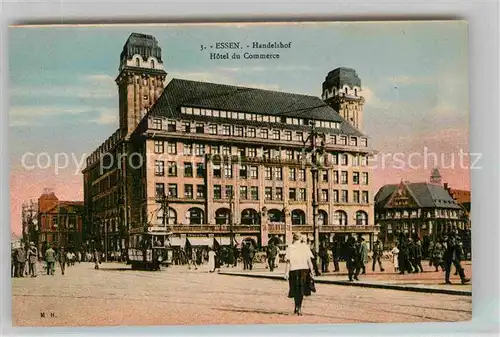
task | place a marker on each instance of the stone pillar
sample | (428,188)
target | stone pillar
(264,230)
(288,226)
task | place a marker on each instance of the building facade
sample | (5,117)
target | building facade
(61,223)
(425,209)
(224,160)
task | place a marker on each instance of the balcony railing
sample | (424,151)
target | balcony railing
(276,228)
(214,228)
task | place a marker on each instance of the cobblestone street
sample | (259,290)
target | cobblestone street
(116,295)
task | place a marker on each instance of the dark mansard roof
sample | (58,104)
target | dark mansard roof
(180,92)
(341,76)
(142,44)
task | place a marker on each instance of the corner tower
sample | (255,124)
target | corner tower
(140,81)
(342,91)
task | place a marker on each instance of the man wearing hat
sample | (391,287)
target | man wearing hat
(32,259)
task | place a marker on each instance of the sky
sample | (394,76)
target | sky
(414,75)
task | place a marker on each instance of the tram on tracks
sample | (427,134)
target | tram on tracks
(149,248)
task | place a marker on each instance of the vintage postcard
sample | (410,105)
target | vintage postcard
(240,173)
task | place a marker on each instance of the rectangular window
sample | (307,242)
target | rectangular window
(159,190)
(199,150)
(226,150)
(238,131)
(355,197)
(299,136)
(187,127)
(212,129)
(226,130)
(344,196)
(325,176)
(172,169)
(243,192)
(324,195)
(343,177)
(188,191)
(364,142)
(187,149)
(229,191)
(188,169)
(355,178)
(228,170)
(279,193)
(288,135)
(196,111)
(159,146)
(252,152)
(172,127)
(344,160)
(264,133)
(364,161)
(343,140)
(291,174)
(335,195)
(268,193)
(215,149)
(335,158)
(217,192)
(242,152)
(333,139)
(302,174)
(292,194)
(172,148)
(365,197)
(335,177)
(254,192)
(172,190)
(251,132)
(217,171)
(268,173)
(157,123)
(200,170)
(289,154)
(276,134)
(266,154)
(355,160)
(302,194)
(354,141)
(278,173)
(200,128)
(200,191)
(159,168)
(254,172)
(364,178)
(243,172)
(276,153)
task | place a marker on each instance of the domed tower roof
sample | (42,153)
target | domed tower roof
(342,76)
(141,44)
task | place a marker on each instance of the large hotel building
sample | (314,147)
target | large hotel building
(228,159)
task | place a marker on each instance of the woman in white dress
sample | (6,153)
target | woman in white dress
(395,253)
(298,271)
(211,260)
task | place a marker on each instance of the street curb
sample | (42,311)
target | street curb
(365,285)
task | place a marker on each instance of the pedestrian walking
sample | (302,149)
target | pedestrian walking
(350,258)
(97,259)
(437,255)
(13,263)
(244,255)
(50,259)
(211,260)
(395,259)
(361,256)
(20,261)
(452,256)
(298,272)
(272,251)
(251,255)
(336,253)
(63,258)
(235,255)
(377,255)
(417,255)
(324,256)
(32,259)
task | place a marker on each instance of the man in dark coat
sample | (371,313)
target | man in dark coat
(271,252)
(235,255)
(452,256)
(350,257)
(251,254)
(417,255)
(324,256)
(244,254)
(377,255)
(361,256)
(336,253)
(61,257)
(20,261)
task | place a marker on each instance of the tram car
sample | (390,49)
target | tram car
(149,248)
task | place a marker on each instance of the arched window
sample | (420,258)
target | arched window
(298,217)
(340,218)
(355,92)
(249,216)
(322,218)
(195,216)
(222,216)
(361,218)
(172,217)
(137,62)
(275,215)
(346,90)
(152,64)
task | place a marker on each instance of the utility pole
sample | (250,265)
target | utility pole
(315,149)
(231,219)
(165,210)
